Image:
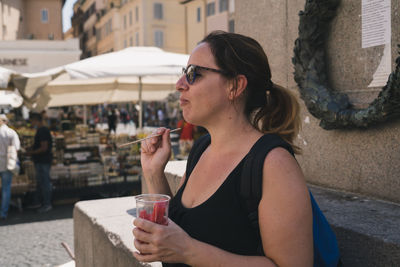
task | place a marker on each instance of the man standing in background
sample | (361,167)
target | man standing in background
(8,137)
(112,120)
(42,157)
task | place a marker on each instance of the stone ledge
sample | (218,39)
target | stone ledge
(367,229)
(103,233)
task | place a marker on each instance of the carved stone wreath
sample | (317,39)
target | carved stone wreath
(331,107)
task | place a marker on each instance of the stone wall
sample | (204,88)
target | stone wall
(366,229)
(361,161)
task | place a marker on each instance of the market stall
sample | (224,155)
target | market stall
(87,161)
(84,163)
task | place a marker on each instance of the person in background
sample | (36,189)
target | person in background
(7,137)
(135,117)
(45,118)
(112,120)
(42,157)
(186,136)
(160,117)
(124,116)
(175,145)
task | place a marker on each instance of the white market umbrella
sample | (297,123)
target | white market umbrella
(5,77)
(131,61)
(29,85)
(65,91)
(140,63)
(10,98)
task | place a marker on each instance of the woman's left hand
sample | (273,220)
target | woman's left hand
(155,242)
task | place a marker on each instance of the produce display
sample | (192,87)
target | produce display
(81,159)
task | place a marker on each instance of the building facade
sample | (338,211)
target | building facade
(195,22)
(108,31)
(31,37)
(205,16)
(27,19)
(111,25)
(86,14)
(28,56)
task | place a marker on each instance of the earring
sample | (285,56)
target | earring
(268,93)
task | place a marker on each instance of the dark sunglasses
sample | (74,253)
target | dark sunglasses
(191,72)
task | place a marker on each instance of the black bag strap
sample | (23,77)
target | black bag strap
(250,186)
(197,150)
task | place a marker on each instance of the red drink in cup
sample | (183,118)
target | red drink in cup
(153,207)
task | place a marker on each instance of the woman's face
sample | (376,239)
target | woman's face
(205,99)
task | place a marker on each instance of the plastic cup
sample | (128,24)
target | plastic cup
(153,207)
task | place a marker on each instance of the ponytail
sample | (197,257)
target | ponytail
(280,115)
(270,108)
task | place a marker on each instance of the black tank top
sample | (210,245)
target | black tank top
(222,220)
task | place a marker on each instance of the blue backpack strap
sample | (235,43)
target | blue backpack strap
(326,252)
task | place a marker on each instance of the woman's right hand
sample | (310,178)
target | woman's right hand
(154,242)
(155,152)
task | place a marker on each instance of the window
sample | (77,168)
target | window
(137,39)
(159,38)
(223,5)
(231,26)
(29,36)
(124,21)
(210,9)
(44,15)
(98,34)
(231,6)
(125,43)
(107,28)
(131,41)
(137,14)
(92,9)
(199,14)
(158,11)
(130,18)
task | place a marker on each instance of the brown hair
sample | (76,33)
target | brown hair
(270,108)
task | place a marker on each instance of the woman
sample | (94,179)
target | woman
(227,89)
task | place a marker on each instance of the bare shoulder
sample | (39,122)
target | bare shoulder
(283,179)
(280,163)
(285,215)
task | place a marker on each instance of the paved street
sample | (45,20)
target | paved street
(31,239)
(28,238)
